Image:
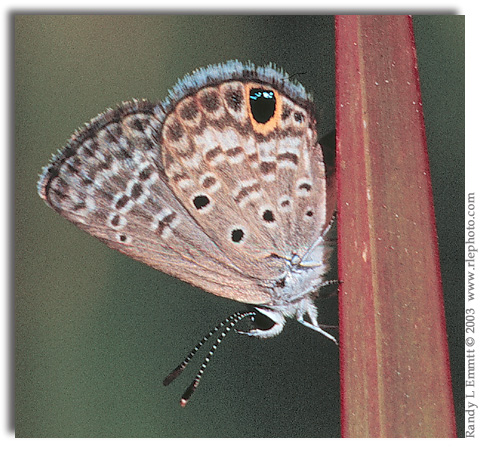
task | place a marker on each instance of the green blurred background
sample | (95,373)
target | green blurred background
(96,332)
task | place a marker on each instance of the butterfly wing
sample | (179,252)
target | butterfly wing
(255,184)
(220,185)
(110,182)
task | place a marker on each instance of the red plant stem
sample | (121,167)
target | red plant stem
(395,375)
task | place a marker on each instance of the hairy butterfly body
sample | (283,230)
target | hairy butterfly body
(222,185)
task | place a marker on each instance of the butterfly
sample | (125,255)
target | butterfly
(222,185)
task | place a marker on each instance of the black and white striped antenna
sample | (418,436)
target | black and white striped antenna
(224,327)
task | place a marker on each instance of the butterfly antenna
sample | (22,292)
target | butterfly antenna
(229,323)
(177,371)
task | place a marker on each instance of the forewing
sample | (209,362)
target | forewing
(110,182)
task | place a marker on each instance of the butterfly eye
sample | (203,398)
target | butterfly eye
(262,104)
(262,322)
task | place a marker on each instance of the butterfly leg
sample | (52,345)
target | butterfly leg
(276,317)
(330,224)
(311,311)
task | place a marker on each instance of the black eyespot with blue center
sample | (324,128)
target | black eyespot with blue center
(262,104)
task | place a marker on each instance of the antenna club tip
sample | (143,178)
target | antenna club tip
(226,325)
(174,374)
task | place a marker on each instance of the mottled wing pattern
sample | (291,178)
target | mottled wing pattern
(205,186)
(258,189)
(109,181)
